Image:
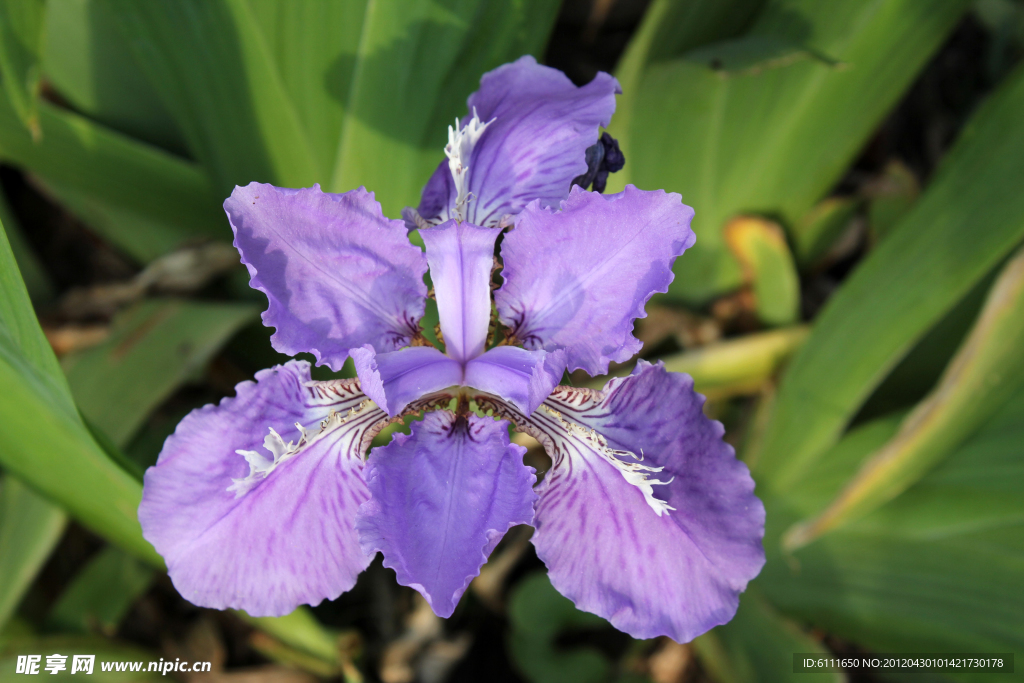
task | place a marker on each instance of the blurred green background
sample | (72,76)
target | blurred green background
(853,309)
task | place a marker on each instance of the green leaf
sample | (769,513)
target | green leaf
(775,141)
(760,247)
(49,447)
(89,63)
(145,238)
(751,55)
(153,348)
(919,370)
(313,46)
(757,646)
(37,281)
(538,614)
(101,594)
(30,528)
(969,219)
(344,93)
(737,366)
(209,63)
(21,35)
(119,173)
(19,329)
(816,232)
(937,569)
(988,369)
(669,29)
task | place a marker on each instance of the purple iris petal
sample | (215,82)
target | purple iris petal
(337,273)
(578,278)
(461,257)
(269,536)
(394,380)
(678,573)
(543,125)
(442,499)
(525,378)
(437,201)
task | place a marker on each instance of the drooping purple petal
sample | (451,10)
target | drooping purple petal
(536,145)
(523,377)
(394,380)
(336,272)
(599,531)
(442,499)
(578,278)
(270,528)
(461,257)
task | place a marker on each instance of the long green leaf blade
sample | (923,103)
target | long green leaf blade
(970,217)
(89,63)
(937,569)
(29,530)
(21,35)
(670,28)
(117,171)
(48,446)
(100,594)
(313,46)
(988,368)
(774,137)
(209,69)
(736,366)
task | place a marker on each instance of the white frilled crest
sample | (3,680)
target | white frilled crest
(260,466)
(459,150)
(627,463)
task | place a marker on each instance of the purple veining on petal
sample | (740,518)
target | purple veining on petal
(606,548)
(522,377)
(434,203)
(543,125)
(289,538)
(442,499)
(461,257)
(394,380)
(336,272)
(579,277)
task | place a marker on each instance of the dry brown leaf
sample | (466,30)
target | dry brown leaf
(670,662)
(68,338)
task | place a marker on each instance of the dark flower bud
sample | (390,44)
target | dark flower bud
(603,158)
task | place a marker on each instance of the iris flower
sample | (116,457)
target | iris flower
(267,500)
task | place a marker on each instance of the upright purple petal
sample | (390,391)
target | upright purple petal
(262,520)
(337,273)
(536,145)
(461,257)
(525,378)
(654,559)
(578,278)
(394,380)
(442,499)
